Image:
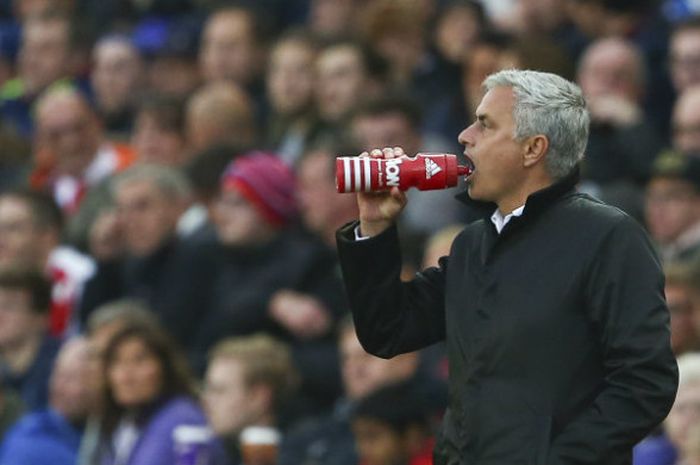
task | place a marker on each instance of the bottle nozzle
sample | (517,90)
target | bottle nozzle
(463,170)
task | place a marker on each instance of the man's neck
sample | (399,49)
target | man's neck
(520,196)
(20,356)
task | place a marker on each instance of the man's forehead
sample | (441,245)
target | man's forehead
(497,100)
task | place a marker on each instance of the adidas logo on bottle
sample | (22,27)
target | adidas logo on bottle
(431,168)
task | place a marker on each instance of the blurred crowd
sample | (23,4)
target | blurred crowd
(168,210)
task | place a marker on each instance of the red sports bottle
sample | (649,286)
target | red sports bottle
(424,171)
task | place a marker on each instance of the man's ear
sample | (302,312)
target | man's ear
(535,149)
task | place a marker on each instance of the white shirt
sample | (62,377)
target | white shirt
(500,221)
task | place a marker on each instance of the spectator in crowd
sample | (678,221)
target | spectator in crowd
(155,266)
(673,206)
(53,436)
(328,440)
(458,26)
(30,236)
(622,143)
(332,19)
(323,210)
(105,322)
(271,278)
(27,352)
(686,121)
(45,57)
(169,46)
(73,159)
(232,50)
(685,413)
(149,394)
(392,121)
(347,74)
(639,22)
(247,383)
(117,78)
(290,85)
(391,426)
(679,290)
(684,54)
(159,132)
(220,113)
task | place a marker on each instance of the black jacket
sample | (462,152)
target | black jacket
(557,331)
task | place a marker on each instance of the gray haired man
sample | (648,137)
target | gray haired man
(552,305)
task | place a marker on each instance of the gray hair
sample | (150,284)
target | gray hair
(121,311)
(550,105)
(169,181)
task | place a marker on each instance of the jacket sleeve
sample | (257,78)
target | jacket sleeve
(391,317)
(625,300)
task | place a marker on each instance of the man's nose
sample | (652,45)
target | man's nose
(464,137)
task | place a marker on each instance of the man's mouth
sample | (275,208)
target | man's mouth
(470,164)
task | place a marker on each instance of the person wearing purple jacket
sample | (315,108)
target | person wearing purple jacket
(148,399)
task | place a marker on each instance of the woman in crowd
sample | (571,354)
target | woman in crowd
(149,398)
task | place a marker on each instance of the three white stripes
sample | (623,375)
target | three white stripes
(357,178)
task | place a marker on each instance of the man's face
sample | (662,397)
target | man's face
(490,145)
(388,130)
(686,122)
(73,387)
(672,207)
(44,54)
(19,234)
(228,50)
(18,321)
(116,73)
(290,77)
(685,59)
(341,77)
(227,397)
(147,216)
(154,143)
(609,70)
(67,128)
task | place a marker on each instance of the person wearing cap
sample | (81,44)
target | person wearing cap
(672,207)
(270,277)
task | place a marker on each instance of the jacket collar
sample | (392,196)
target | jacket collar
(536,202)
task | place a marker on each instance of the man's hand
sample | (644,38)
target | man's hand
(379,210)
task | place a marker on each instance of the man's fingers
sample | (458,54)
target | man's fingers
(377,153)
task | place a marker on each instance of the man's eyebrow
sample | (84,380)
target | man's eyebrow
(482,118)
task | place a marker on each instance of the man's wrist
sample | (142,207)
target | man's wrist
(367,230)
